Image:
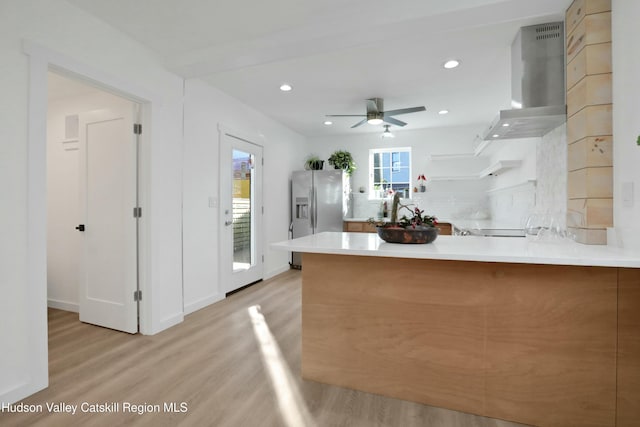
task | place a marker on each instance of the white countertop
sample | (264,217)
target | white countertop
(467,248)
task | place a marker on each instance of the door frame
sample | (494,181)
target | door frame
(41,61)
(257,140)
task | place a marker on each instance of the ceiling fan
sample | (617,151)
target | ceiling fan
(376,114)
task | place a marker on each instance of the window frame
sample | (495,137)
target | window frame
(372,152)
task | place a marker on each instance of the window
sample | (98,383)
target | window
(389,168)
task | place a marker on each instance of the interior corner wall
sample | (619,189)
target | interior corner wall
(77,38)
(205,109)
(626,118)
(63,241)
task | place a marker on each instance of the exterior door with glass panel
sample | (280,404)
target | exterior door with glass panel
(241,212)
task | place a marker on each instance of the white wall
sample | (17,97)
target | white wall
(443,198)
(63,241)
(71,37)
(205,110)
(511,193)
(626,117)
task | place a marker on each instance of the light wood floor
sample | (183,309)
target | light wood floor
(213,362)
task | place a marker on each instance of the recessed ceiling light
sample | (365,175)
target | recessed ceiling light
(328,123)
(441,112)
(452,63)
(285,87)
(505,125)
(495,135)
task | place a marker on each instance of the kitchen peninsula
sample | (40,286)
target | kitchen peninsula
(539,333)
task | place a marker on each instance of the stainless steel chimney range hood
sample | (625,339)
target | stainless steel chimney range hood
(537,85)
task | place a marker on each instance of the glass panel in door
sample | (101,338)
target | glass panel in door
(243,210)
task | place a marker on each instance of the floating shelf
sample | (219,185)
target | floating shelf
(500,166)
(495,169)
(511,187)
(475,153)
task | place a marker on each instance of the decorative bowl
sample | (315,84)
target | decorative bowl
(418,234)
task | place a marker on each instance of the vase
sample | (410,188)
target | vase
(423,188)
(419,234)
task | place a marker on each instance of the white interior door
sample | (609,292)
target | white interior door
(108,195)
(241,212)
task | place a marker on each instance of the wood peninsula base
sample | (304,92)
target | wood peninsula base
(546,345)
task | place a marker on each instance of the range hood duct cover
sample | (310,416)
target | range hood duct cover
(537,84)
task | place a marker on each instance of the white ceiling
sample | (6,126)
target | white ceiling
(337,53)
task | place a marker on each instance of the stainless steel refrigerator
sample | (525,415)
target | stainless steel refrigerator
(319,202)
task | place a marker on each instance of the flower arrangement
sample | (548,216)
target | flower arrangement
(418,228)
(422,181)
(417,219)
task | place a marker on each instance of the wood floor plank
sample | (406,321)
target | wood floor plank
(212,361)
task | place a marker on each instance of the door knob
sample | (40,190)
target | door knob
(80,227)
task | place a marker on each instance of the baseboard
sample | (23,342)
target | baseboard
(202,303)
(277,271)
(20,391)
(167,322)
(63,305)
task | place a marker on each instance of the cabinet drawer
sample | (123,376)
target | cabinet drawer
(358,227)
(354,227)
(445,228)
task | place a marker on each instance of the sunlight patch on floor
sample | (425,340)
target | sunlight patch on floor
(292,407)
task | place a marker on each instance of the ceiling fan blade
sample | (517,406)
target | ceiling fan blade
(361,122)
(345,115)
(403,111)
(394,121)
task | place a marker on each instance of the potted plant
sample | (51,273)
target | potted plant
(342,159)
(314,163)
(418,228)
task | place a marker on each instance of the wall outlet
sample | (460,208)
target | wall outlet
(213,202)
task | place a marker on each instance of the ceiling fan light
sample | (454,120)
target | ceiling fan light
(452,63)
(387,133)
(374,121)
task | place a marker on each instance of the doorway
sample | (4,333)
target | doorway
(241,251)
(92,193)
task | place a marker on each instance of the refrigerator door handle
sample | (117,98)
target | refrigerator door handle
(315,210)
(312,211)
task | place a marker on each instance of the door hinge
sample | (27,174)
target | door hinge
(263,210)
(263,259)
(262,160)
(137,129)
(137,212)
(137,295)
